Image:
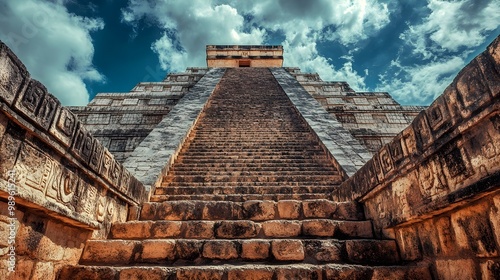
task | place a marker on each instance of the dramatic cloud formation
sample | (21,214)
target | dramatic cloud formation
(441,42)
(189,25)
(54,44)
(411,49)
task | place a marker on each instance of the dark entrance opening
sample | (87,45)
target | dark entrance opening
(244,63)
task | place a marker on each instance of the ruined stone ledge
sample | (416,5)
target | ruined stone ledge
(449,153)
(52,160)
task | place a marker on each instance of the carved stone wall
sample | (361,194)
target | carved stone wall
(122,120)
(436,186)
(58,185)
(373,118)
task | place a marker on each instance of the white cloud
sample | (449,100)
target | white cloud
(442,42)
(190,25)
(451,25)
(421,84)
(54,44)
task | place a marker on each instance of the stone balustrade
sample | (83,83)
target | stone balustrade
(55,164)
(435,186)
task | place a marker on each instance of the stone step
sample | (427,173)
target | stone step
(181,168)
(311,166)
(194,251)
(240,198)
(242,229)
(217,172)
(243,190)
(250,160)
(201,178)
(254,151)
(255,210)
(251,184)
(248,272)
(245,154)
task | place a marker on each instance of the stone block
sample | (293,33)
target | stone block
(178,210)
(288,250)
(81,147)
(473,231)
(43,270)
(166,229)
(13,75)
(456,269)
(24,269)
(198,229)
(354,229)
(348,211)
(217,211)
(222,250)
(157,250)
(250,274)
(255,249)
(237,229)
(289,209)
(9,149)
(153,273)
(491,75)
(324,250)
(88,273)
(281,228)
(408,243)
(407,273)
(297,273)
(474,93)
(380,252)
(490,269)
(318,208)
(108,251)
(4,121)
(258,210)
(446,236)
(429,240)
(319,227)
(495,221)
(130,230)
(64,126)
(439,117)
(187,250)
(199,273)
(334,272)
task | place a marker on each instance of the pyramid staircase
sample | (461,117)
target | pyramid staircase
(248,197)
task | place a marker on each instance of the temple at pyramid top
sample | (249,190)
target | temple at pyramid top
(244,56)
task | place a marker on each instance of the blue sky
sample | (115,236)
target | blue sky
(411,49)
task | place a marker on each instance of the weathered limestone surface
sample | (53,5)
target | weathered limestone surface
(65,185)
(349,154)
(122,120)
(373,118)
(151,159)
(435,187)
(244,56)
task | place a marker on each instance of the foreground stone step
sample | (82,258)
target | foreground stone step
(251,184)
(243,190)
(241,198)
(241,166)
(208,178)
(251,168)
(254,161)
(242,229)
(195,251)
(255,210)
(249,272)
